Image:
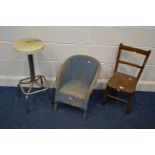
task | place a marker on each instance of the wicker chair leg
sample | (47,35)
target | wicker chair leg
(84,115)
(55,106)
(129,104)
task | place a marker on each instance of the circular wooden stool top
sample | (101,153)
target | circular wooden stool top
(28,46)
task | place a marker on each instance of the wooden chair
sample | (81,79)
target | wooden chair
(123,82)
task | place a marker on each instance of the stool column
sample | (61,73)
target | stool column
(31,67)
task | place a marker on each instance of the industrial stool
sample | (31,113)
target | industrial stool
(30,47)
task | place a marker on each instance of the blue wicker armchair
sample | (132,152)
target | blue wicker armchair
(76,80)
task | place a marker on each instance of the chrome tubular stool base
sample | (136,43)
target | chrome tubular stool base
(38,82)
(33,80)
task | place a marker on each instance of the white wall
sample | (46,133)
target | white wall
(62,42)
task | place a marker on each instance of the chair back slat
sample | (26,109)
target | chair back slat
(132,49)
(129,63)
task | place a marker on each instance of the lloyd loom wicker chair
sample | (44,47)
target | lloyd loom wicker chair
(125,82)
(76,80)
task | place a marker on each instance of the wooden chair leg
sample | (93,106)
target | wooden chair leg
(129,103)
(84,115)
(55,106)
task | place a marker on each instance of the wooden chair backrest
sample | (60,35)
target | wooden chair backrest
(132,49)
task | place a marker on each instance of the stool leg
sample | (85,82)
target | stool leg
(32,75)
(27,96)
(41,81)
(27,104)
(19,90)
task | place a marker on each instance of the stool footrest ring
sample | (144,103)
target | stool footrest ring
(39,80)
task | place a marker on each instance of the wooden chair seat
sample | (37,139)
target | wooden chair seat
(123,82)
